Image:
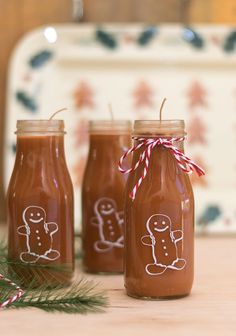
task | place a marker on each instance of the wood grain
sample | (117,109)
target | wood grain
(159,11)
(150,11)
(223,11)
(209,311)
(212,11)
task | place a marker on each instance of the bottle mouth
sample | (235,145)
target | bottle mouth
(53,126)
(159,128)
(110,126)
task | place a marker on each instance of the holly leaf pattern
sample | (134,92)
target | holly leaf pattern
(193,38)
(38,60)
(13,148)
(147,36)
(230,42)
(209,215)
(106,39)
(26,100)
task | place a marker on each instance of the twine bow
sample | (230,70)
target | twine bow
(184,162)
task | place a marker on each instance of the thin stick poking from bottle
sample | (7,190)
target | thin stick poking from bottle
(161,108)
(58,111)
(111,111)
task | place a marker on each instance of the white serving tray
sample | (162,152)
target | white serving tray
(67,66)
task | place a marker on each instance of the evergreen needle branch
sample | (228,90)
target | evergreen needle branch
(17,271)
(81,297)
(6,261)
(3,247)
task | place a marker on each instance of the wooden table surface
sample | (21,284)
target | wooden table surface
(210,310)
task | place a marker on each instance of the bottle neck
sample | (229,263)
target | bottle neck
(159,128)
(179,143)
(37,149)
(109,144)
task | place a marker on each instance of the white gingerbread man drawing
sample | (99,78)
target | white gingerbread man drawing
(38,234)
(109,222)
(163,242)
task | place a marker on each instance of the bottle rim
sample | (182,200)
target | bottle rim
(110,126)
(40,126)
(159,127)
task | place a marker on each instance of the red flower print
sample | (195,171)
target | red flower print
(83,96)
(78,171)
(196,95)
(143,95)
(196,131)
(81,133)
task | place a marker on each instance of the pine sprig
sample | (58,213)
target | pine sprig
(36,274)
(81,297)
(3,247)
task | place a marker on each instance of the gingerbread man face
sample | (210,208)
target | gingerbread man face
(34,215)
(39,236)
(105,206)
(163,242)
(109,222)
(158,223)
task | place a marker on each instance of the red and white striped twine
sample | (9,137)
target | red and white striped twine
(19,292)
(185,163)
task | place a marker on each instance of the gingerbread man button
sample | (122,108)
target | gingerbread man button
(109,222)
(39,236)
(163,243)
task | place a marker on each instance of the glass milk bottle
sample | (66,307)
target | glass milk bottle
(103,197)
(159,213)
(40,204)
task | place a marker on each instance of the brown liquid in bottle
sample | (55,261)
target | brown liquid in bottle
(40,205)
(159,237)
(103,197)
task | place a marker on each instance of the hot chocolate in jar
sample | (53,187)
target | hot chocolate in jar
(159,212)
(40,212)
(103,197)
